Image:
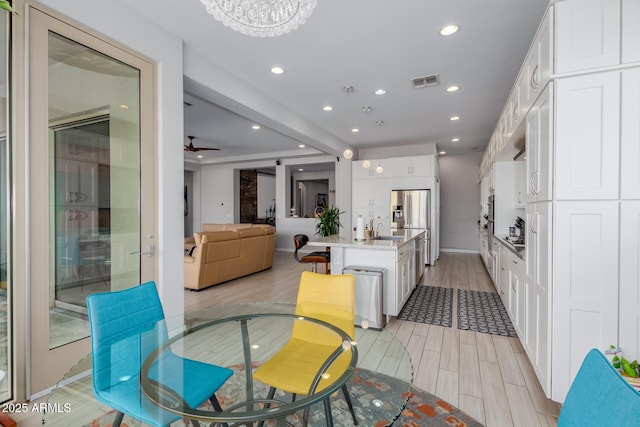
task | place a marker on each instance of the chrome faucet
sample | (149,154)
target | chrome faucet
(371,221)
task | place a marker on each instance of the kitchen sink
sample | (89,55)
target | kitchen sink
(394,238)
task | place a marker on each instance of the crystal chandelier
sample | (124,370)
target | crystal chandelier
(261,18)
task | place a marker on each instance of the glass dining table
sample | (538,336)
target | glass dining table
(378,374)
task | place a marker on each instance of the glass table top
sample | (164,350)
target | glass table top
(378,375)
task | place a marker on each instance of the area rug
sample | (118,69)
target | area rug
(483,312)
(419,407)
(429,304)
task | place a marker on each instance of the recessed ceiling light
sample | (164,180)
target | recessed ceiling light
(255,127)
(449,30)
(301,146)
(380,92)
(300,169)
(453,88)
(277,70)
(123,106)
(454,118)
(200,156)
(327,108)
(455,139)
(355,130)
(443,153)
(367,109)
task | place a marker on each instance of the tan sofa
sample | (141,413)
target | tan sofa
(222,252)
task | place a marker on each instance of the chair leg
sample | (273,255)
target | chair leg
(118,419)
(327,412)
(216,407)
(314,268)
(272,392)
(327,268)
(345,391)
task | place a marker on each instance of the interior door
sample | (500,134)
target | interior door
(91,185)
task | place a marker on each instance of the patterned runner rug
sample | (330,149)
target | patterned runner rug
(429,304)
(483,312)
(420,407)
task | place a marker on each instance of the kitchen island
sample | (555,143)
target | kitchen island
(395,253)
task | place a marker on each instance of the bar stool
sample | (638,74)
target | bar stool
(301,240)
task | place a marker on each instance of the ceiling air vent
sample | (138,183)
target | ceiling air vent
(426,81)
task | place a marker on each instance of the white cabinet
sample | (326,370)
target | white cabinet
(630,133)
(409,166)
(585,285)
(588,34)
(539,147)
(538,64)
(502,284)
(630,279)
(537,281)
(520,188)
(630,31)
(77,182)
(491,177)
(405,273)
(360,172)
(587,137)
(371,198)
(517,294)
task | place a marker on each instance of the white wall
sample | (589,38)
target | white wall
(120,23)
(459,201)
(266,193)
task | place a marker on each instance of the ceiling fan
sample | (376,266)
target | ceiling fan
(193,149)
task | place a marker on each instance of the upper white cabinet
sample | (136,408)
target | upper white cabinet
(630,31)
(538,65)
(409,166)
(587,137)
(630,134)
(539,147)
(588,34)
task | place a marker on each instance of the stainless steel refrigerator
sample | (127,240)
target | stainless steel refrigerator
(411,209)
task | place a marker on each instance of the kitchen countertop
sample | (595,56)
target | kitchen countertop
(504,240)
(400,237)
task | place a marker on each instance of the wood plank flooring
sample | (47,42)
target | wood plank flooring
(485,375)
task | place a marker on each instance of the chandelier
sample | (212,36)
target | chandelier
(261,18)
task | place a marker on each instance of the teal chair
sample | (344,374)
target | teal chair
(599,396)
(126,326)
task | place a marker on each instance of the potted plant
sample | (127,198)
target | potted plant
(328,222)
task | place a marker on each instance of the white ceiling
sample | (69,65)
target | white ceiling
(367,44)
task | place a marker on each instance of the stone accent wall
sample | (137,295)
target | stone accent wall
(248,196)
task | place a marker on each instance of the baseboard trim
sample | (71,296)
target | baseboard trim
(462,251)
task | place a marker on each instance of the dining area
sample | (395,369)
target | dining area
(301,363)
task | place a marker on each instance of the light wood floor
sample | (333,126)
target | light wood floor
(487,376)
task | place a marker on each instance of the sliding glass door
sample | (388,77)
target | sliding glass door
(91,181)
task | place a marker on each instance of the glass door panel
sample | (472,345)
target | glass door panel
(5,216)
(94,134)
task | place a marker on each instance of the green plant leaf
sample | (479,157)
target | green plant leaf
(328,223)
(4,4)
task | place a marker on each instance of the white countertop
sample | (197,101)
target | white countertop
(344,241)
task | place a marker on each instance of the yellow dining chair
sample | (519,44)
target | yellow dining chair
(325,297)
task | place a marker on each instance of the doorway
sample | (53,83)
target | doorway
(91,185)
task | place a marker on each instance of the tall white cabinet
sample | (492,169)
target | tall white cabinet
(582,134)
(371,191)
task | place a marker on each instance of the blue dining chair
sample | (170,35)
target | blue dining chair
(599,396)
(126,326)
